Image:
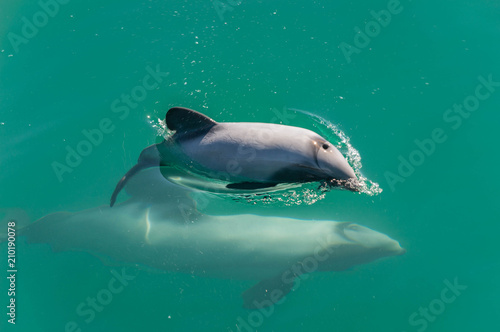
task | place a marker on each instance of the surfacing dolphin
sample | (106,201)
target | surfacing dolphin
(160,228)
(247,155)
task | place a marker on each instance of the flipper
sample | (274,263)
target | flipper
(250,185)
(183,120)
(138,167)
(149,157)
(269,291)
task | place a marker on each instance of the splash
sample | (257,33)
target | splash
(304,194)
(160,127)
(283,194)
(333,134)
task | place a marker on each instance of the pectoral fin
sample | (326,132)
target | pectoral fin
(268,292)
(250,185)
(124,180)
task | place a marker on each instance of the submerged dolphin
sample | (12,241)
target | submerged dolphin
(247,155)
(160,228)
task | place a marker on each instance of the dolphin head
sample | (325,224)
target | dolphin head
(350,244)
(331,161)
(371,240)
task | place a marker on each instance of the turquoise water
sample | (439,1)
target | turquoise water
(260,61)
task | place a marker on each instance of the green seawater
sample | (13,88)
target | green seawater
(390,88)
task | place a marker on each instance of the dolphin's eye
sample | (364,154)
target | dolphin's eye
(353,227)
(325,146)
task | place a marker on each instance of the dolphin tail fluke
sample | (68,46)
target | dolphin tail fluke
(123,181)
(12,221)
(47,229)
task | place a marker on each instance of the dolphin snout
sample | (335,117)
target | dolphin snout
(345,170)
(333,163)
(401,251)
(397,249)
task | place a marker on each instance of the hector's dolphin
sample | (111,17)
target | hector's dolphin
(160,228)
(247,155)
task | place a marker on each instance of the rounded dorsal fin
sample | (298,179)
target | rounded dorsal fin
(183,119)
